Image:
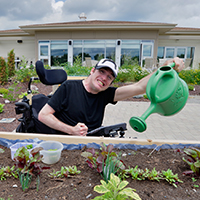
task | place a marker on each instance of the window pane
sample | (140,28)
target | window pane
(181,52)
(147,50)
(58,53)
(169,52)
(44,50)
(129,52)
(160,53)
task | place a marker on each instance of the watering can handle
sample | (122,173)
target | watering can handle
(157,79)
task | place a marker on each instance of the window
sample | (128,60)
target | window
(59,52)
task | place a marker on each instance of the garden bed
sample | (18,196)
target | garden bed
(81,186)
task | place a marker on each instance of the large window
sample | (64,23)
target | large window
(58,52)
(171,52)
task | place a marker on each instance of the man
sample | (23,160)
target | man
(78,105)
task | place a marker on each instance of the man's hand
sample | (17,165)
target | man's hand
(179,64)
(80,129)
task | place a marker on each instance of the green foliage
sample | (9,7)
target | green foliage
(11,63)
(170,177)
(191,76)
(115,190)
(23,74)
(191,87)
(7,172)
(4,91)
(97,160)
(140,174)
(140,73)
(193,160)
(1,107)
(111,166)
(3,71)
(65,172)
(12,95)
(25,180)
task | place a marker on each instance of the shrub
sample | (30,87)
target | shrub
(11,63)
(4,91)
(191,76)
(24,74)
(3,71)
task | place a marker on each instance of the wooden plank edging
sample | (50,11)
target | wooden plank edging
(85,140)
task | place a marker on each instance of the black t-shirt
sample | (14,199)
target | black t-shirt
(72,104)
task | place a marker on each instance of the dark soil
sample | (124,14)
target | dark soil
(81,186)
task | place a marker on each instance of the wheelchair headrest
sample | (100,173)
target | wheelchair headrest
(50,76)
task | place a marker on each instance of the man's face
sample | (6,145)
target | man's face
(101,78)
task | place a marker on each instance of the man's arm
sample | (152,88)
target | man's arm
(46,116)
(125,92)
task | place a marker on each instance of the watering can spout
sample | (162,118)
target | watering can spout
(168,94)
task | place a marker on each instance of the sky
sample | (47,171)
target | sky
(14,13)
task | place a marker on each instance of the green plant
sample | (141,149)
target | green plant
(65,172)
(1,107)
(3,71)
(140,174)
(115,190)
(27,165)
(7,172)
(4,91)
(97,159)
(191,76)
(25,180)
(23,74)
(11,63)
(12,95)
(191,87)
(170,177)
(193,161)
(111,166)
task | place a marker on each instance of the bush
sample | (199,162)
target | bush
(11,63)
(191,76)
(3,71)
(24,74)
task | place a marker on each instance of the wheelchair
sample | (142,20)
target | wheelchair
(31,105)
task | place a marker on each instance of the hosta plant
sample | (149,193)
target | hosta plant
(115,190)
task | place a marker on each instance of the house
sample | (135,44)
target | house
(91,40)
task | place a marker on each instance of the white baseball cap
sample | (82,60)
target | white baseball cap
(108,63)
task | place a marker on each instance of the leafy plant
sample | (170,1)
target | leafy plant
(97,160)
(12,95)
(11,63)
(25,180)
(26,163)
(4,91)
(7,172)
(115,189)
(3,71)
(1,107)
(170,177)
(111,166)
(65,172)
(140,174)
(191,87)
(193,161)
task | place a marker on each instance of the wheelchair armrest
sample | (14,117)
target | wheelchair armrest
(108,131)
(21,107)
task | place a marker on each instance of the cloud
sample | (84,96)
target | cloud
(24,12)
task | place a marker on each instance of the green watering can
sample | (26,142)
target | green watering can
(167,92)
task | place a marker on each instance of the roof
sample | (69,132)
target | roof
(163,28)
